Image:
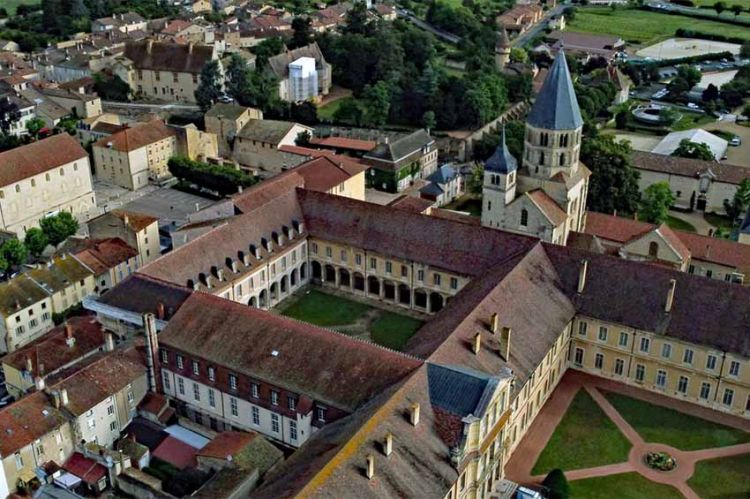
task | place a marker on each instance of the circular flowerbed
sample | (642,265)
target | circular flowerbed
(661,461)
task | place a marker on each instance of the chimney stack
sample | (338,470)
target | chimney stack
(125,219)
(220,274)
(70,340)
(301,227)
(152,349)
(388,444)
(495,323)
(370,466)
(39,382)
(149,46)
(64,397)
(257,253)
(246,260)
(56,399)
(109,341)
(670,295)
(160,311)
(29,364)
(505,344)
(582,275)
(477,344)
(414,414)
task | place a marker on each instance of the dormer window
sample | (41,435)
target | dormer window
(524,217)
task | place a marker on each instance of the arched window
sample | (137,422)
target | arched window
(524,217)
(653,249)
(562,160)
(489,205)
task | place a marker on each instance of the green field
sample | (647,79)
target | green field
(644,27)
(666,426)
(10,5)
(323,309)
(722,478)
(585,438)
(679,224)
(744,3)
(393,330)
(627,485)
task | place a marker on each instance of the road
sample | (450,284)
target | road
(664,6)
(535,30)
(448,37)
(149,107)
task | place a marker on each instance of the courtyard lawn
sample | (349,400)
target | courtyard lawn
(585,438)
(679,224)
(627,485)
(658,424)
(393,330)
(327,112)
(722,478)
(645,27)
(467,203)
(323,309)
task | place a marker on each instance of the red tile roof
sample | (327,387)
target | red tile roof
(84,468)
(100,255)
(685,167)
(176,452)
(39,157)
(135,221)
(344,143)
(136,137)
(27,420)
(548,206)
(227,443)
(615,228)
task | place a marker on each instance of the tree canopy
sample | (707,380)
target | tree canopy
(209,86)
(693,150)
(655,202)
(59,227)
(613,183)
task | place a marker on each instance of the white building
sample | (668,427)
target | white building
(303,79)
(671,142)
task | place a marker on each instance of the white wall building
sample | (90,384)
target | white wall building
(303,79)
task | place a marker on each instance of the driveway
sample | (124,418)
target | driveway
(735,155)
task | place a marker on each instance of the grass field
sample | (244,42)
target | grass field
(323,309)
(744,3)
(722,478)
(585,438)
(680,224)
(11,5)
(644,27)
(393,330)
(627,485)
(666,426)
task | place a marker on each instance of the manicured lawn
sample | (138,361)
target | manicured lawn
(393,330)
(468,204)
(722,478)
(640,26)
(691,120)
(323,309)
(623,486)
(329,110)
(679,224)
(585,438)
(667,426)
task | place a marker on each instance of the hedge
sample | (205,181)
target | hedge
(698,15)
(716,56)
(222,179)
(689,33)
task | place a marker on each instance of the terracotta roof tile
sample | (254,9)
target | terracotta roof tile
(227,443)
(100,255)
(27,420)
(344,143)
(166,56)
(548,206)
(615,228)
(39,157)
(731,174)
(132,138)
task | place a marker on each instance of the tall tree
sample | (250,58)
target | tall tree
(237,77)
(14,252)
(614,181)
(36,240)
(737,9)
(377,101)
(356,19)
(720,7)
(711,93)
(267,49)
(303,35)
(209,88)
(693,150)
(740,203)
(58,227)
(657,198)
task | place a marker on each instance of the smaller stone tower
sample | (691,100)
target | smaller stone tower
(502,49)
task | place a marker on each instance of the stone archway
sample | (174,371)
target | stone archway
(274,292)
(284,284)
(359,282)
(317,270)
(389,290)
(420,299)
(303,271)
(330,273)
(404,295)
(293,278)
(253,302)
(436,302)
(373,285)
(345,279)
(263,299)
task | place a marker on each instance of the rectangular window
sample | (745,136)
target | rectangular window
(196,392)
(113,426)
(734,368)
(274,397)
(454,283)
(293,430)
(110,410)
(212,374)
(291,402)
(329,251)
(666,350)
(598,361)
(358,259)
(687,357)
(233,381)
(711,362)
(603,333)
(256,416)
(164,357)
(436,279)
(705,390)
(321,414)
(388,267)
(180,362)
(373,263)
(181,386)
(661,378)
(275,423)
(166,381)
(196,368)
(233,406)
(645,345)
(728,397)
(343,255)
(404,271)
(255,390)
(579,357)
(623,339)
(420,275)
(211,398)
(619,366)
(19,461)
(709,273)
(640,373)
(314,248)
(582,328)
(682,385)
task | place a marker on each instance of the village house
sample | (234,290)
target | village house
(42,179)
(258,145)
(111,259)
(125,23)
(445,185)
(226,120)
(397,163)
(137,230)
(303,73)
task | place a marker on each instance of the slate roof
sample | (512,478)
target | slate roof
(686,167)
(501,161)
(38,157)
(141,294)
(330,367)
(458,390)
(168,56)
(399,149)
(556,106)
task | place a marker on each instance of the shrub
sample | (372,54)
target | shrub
(556,484)
(222,179)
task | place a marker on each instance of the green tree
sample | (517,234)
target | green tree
(4,265)
(693,150)
(303,34)
(209,87)
(614,180)
(34,126)
(36,240)
(237,77)
(745,50)
(349,112)
(621,120)
(111,88)
(690,73)
(655,203)
(476,179)
(517,54)
(428,120)
(737,9)
(711,93)
(740,203)
(668,115)
(58,227)
(746,111)
(720,7)
(303,138)
(267,49)
(377,103)
(556,485)
(14,252)
(357,19)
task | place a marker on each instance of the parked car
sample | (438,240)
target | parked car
(693,105)
(736,141)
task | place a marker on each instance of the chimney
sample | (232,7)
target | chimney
(149,46)
(64,397)
(220,274)
(234,266)
(388,444)
(190,48)
(505,344)
(281,240)
(495,323)
(301,227)
(152,349)
(39,382)
(291,233)
(246,260)
(257,253)
(582,275)
(670,295)
(160,313)
(109,341)
(70,340)
(56,399)
(477,344)
(370,466)
(414,414)
(209,281)
(29,364)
